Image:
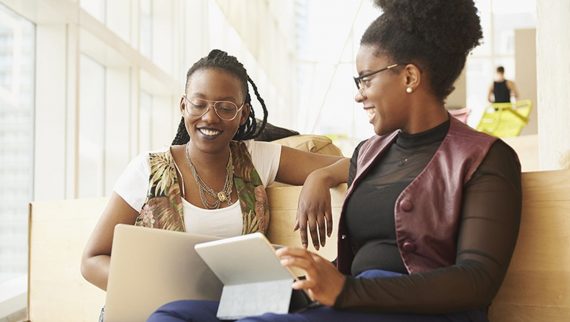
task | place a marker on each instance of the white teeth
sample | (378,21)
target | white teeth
(371,113)
(210,132)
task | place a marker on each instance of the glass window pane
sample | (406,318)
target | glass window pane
(145,116)
(91,128)
(96,8)
(145,28)
(163,35)
(16,148)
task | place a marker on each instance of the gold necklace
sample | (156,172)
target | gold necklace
(225,195)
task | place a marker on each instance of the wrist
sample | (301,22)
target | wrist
(339,298)
(322,176)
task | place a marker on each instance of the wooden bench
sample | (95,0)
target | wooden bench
(536,288)
(537,285)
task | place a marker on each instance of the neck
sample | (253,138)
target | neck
(208,161)
(426,112)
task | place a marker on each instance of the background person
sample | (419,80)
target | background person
(502,89)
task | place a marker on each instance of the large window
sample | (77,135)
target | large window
(16,151)
(91,128)
(326,53)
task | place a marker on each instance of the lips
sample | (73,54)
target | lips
(209,132)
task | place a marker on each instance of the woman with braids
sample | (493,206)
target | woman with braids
(442,201)
(212,184)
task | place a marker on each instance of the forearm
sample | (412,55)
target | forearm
(96,270)
(457,288)
(296,166)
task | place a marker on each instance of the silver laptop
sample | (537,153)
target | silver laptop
(151,267)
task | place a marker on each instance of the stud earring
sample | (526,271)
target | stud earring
(409,90)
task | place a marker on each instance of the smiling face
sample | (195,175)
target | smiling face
(209,133)
(383,95)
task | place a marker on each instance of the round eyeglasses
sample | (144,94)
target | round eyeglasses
(225,110)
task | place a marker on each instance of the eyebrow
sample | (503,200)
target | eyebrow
(226,98)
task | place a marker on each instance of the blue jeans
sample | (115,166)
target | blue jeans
(205,311)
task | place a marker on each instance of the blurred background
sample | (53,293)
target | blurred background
(86,85)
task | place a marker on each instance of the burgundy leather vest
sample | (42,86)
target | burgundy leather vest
(427,212)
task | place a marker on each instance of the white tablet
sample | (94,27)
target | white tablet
(254,280)
(243,259)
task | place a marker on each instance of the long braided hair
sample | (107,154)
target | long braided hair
(221,60)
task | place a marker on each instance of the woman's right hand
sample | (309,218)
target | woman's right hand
(314,210)
(323,282)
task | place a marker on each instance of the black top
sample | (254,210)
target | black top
(501,92)
(488,229)
(372,228)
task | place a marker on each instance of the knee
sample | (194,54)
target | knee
(169,312)
(185,310)
(266,317)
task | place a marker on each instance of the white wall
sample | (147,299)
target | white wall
(458,98)
(553,79)
(525,66)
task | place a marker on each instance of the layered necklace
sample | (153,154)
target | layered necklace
(206,192)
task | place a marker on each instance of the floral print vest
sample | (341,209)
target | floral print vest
(163,206)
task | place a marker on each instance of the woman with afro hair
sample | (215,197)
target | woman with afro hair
(442,201)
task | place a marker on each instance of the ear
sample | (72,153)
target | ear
(413,76)
(244,114)
(182,105)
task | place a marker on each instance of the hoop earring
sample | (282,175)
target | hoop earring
(409,90)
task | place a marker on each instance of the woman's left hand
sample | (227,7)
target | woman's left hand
(323,281)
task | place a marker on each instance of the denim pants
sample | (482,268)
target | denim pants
(205,311)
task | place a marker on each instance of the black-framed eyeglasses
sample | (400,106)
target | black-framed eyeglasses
(225,110)
(361,81)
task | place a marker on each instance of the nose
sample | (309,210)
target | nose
(211,114)
(359,97)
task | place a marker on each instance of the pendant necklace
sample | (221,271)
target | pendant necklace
(206,192)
